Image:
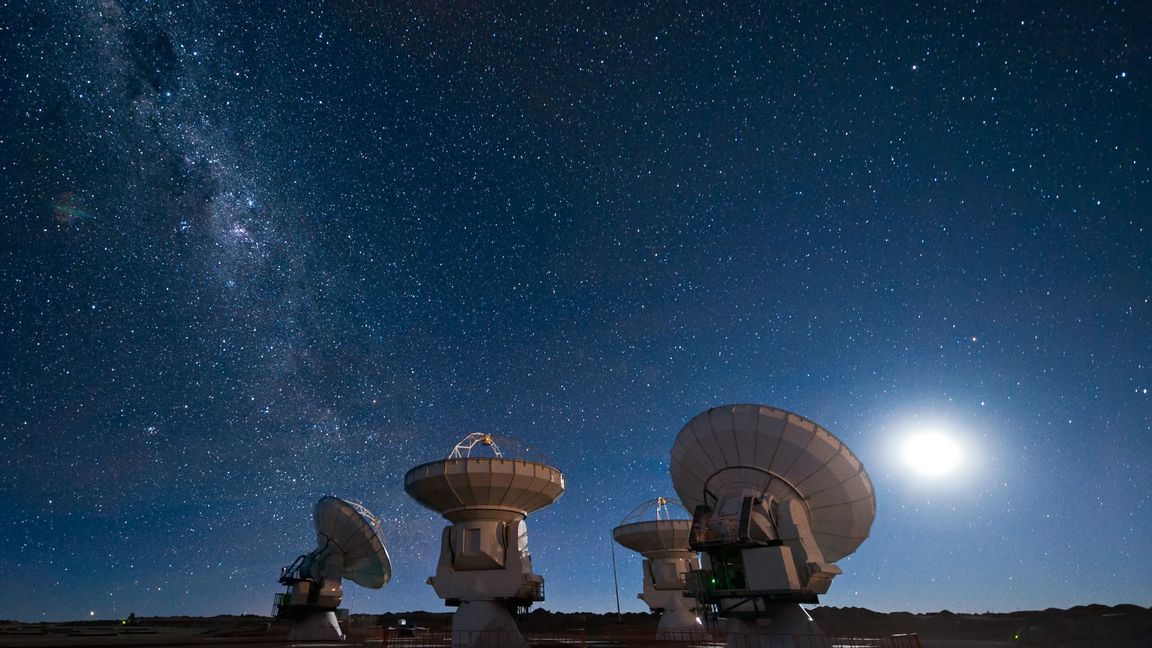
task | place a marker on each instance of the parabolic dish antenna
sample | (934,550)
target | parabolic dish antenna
(356,532)
(348,545)
(765,451)
(485,568)
(776,499)
(659,530)
(659,524)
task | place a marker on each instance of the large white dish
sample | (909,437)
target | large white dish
(760,450)
(356,534)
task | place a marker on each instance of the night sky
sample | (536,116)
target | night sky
(253,254)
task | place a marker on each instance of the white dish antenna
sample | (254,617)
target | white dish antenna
(660,524)
(485,568)
(355,534)
(776,499)
(348,546)
(659,530)
(775,454)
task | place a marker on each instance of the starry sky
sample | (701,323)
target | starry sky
(255,253)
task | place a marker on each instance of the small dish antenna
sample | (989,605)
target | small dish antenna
(348,546)
(658,530)
(775,500)
(485,569)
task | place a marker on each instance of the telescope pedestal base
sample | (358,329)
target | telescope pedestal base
(679,624)
(316,626)
(776,629)
(485,623)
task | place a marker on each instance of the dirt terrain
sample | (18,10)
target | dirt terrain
(1091,626)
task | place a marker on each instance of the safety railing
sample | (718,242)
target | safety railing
(423,638)
(693,639)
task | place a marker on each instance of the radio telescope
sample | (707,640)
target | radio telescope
(485,568)
(348,545)
(776,499)
(651,531)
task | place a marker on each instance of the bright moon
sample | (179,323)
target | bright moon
(931,454)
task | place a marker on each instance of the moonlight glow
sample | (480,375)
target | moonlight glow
(932,454)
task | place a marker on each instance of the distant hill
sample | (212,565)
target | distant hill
(1082,626)
(1085,626)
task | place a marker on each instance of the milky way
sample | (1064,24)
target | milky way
(254,255)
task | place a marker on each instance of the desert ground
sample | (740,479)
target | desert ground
(1089,626)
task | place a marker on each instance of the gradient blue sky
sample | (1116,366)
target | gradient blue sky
(255,254)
